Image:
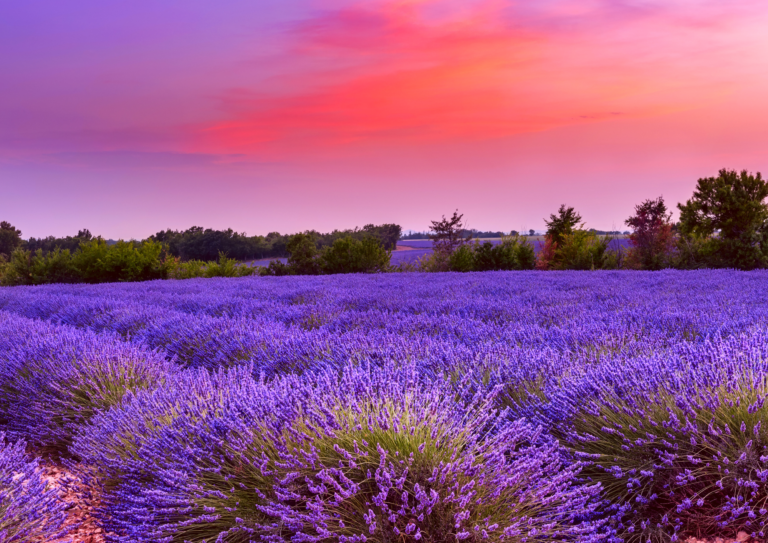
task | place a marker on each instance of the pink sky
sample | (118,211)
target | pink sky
(136,116)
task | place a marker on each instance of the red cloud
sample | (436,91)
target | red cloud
(407,71)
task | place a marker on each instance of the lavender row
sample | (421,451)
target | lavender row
(292,322)
(349,455)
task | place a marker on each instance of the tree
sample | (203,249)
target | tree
(562,224)
(302,249)
(730,213)
(447,234)
(10,238)
(387,234)
(652,239)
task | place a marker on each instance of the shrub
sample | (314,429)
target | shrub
(26,268)
(349,255)
(488,257)
(546,257)
(524,251)
(223,267)
(53,379)
(97,262)
(437,261)
(347,455)
(462,259)
(692,252)
(581,250)
(513,253)
(17,270)
(29,510)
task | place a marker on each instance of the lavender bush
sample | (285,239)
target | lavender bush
(54,378)
(368,454)
(29,510)
(677,442)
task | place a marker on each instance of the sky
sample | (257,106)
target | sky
(132,116)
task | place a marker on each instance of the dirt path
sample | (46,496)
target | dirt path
(79,514)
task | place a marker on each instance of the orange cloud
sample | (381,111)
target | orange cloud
(431,70)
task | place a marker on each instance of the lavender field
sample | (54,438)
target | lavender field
(501,406)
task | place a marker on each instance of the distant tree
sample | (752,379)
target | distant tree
(10,238)
(198,243)
(562,224)
(730,212)
(51,244)
(387,234)
(302,249)
(652,239)
(531,232)
(447,234)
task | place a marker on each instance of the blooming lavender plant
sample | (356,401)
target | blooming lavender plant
(54,378)
(368,454)
(678,443)
(29,510)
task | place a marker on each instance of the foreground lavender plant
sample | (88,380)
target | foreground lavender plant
(680,445)
(54,378)
(368,454)
(29,511)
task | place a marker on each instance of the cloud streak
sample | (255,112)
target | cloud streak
(432,70)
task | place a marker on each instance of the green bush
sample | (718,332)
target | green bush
(98,262)
(692,252)
(224,267)
(513,253)
(26,268)
(581,250)
(349,255)
(462,259)
(437,261)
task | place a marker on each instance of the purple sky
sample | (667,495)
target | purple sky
(131,117)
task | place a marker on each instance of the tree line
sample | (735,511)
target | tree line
(723,225)
(195,252)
